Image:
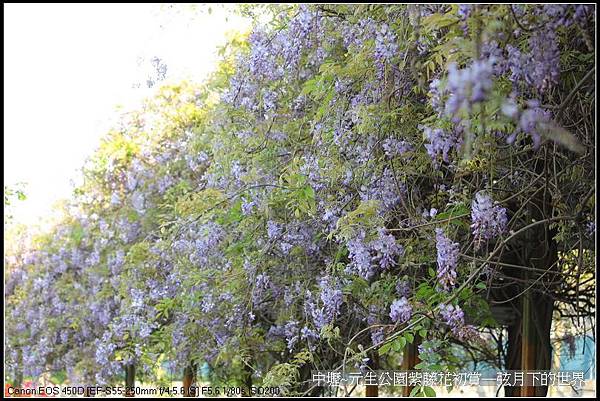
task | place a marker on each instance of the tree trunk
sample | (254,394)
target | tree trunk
(513,355)
(529,346)
(130,380)
(189,376)
(372,390)
(409,360)
(528,342)
(542,254)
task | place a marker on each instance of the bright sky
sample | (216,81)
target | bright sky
(66,67)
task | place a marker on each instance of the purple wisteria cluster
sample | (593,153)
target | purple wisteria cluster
(454,317)
(373,318)
(488,218)
(274,56)
(544,67)
(261,285)
(129,230)
(540,68)
(386,47)
(530,121)
(331,298)
(400,311)
(555,16)
(536,68)
(385,43)
(385,188)
(311,169)
(403,288)
(355,35)
(367,258)
(289,330)
(292,333)
(447,259)
(200,243)
(441,142)
(298,234)
(468,86)
(331,295)
(463,12)
(493,53)
(464,87)
(395,147)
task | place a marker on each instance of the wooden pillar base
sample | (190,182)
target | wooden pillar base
(409,360)
(528,346)
(130,380)
(373,389)
(189,376)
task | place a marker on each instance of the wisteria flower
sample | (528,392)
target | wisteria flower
(400,311)
(488,218)
(447,259)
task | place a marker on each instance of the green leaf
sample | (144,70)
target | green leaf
(309,86)
(399,344)
(424,291)
(465,294)
(455,211)
(417,392)
(77,234)
(436,367)
(385,348)
(429,392)
(438,21)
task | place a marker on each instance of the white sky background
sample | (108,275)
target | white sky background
(67,67)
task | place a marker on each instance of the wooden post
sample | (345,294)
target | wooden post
(372,390)
(189,376)
(409,360)
(528,344)
(130,380)
(513,355)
